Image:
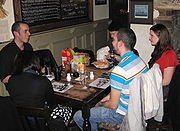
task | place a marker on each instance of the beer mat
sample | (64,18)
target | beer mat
(102,83)
(60,87)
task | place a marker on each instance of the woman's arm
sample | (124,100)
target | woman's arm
(168,73)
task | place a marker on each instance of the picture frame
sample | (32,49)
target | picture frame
(100,2)
(141,11)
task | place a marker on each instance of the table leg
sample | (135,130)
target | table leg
(86,115)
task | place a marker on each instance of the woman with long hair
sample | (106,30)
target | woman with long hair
(30,89)
(163,55)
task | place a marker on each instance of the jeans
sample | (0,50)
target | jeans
(99,114)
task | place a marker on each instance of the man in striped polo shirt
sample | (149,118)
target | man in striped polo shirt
(113,107)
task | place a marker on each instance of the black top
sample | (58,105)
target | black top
(32,90)
(7,55)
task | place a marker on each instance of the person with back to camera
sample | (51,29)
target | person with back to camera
(113,107)
(27,88)
(21,33)
(165,56)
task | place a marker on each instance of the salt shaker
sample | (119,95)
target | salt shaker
(68,77)
(91,75)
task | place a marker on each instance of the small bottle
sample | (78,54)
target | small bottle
(91,75)
(68,77)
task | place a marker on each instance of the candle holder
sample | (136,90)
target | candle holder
(82,73)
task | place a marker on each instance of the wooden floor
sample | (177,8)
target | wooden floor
(152,127)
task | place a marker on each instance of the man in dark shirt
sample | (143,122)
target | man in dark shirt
(20,31)
(107,50)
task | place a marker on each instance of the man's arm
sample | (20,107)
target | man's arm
(5,80)
(113,101)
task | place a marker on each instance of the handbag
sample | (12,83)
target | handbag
(63,112)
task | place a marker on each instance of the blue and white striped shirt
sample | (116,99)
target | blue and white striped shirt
(128,68)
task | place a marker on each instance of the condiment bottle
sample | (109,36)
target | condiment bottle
(91,75)
(68,77)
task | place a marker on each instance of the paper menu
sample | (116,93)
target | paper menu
(60,87)
(102,83)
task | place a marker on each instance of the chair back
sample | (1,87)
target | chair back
(9,119)
(34,119)
(46,58)
(146,100)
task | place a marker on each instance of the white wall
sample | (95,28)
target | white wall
(100,11)
(143,44)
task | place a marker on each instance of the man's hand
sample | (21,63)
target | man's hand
(105,99)
(113,101)
(6,79)
(108,56)
(118,58)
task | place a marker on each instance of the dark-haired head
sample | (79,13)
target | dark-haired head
(114,26)
(164,40)
(16,26)
(163,34)
(26,60)
(128,37)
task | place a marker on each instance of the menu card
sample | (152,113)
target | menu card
(102,83)
(61,87)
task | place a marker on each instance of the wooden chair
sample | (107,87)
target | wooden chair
(34,119)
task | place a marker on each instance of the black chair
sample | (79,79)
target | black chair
(9,119)
(38,119)
(34,119)
(46,59)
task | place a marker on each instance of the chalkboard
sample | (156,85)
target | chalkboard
(42,15)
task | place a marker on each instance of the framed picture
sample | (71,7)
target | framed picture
(100,2)
(141,11)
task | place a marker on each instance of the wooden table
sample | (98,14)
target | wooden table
(83,99)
